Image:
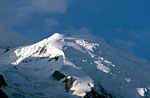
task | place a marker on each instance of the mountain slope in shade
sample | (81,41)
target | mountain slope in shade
(86,61)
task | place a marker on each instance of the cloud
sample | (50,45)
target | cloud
(118,29)
(81,31)
(143,35)
(19,11)
(9,16)
(14,12)
(125,45)
(51,6)
(10,38)
(51,22)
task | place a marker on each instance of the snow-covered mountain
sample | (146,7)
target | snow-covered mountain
(72,67)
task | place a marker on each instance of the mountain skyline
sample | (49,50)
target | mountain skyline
(125,24)
(76,66)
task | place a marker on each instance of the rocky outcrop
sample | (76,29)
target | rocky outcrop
(99,92)
(68,83)
(6,50)
(2,94)
(146,93)
(58,76)
(2,83)
(55,58)
(43,50)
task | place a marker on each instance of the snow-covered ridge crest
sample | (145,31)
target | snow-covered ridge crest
(55,46)
(85,60)
(45,48)
(51,47)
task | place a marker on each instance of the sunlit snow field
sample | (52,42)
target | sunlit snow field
(28,69)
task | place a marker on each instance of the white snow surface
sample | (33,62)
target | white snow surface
(28,69)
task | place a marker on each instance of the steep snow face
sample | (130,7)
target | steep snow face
(86,60)
(47,48)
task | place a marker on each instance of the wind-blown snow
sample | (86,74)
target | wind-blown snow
(87,61)
(100,66)
(87,45)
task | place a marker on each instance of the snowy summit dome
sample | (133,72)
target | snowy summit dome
(74,66)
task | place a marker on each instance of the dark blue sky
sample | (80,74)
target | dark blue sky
(124,23)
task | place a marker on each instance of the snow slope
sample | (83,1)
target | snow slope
(87,59)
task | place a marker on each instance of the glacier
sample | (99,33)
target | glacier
(88,60)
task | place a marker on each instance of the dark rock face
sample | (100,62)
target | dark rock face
(6,50)
(58,76)
(68,83)
(99,92)
(43,50)
(146,94)
(2,81)
(55,58)
(2,94)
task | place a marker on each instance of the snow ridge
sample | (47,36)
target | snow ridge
(86,61)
